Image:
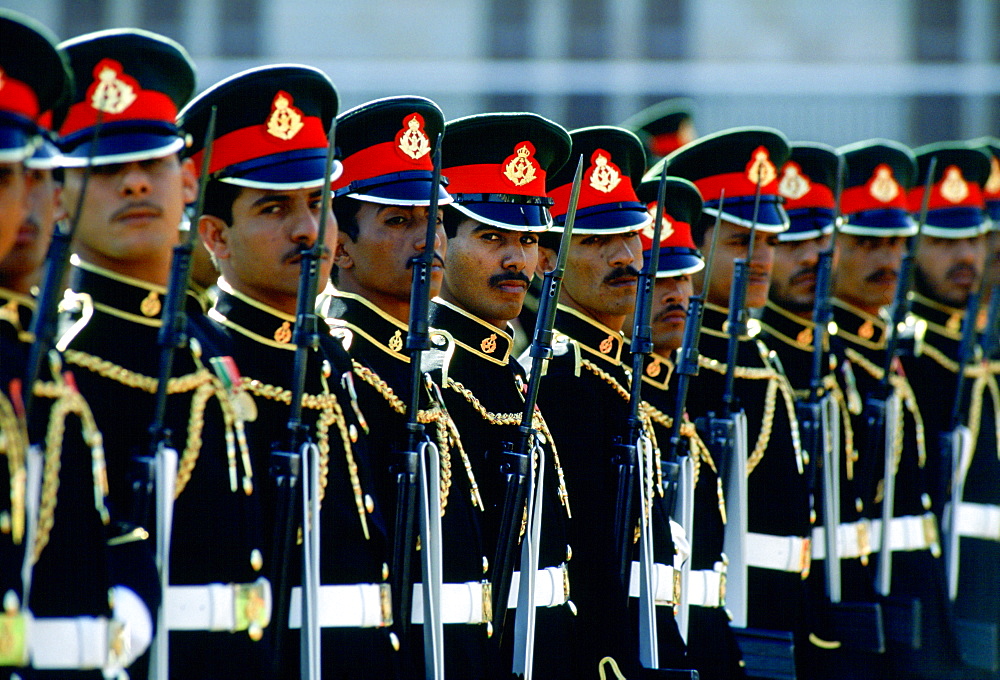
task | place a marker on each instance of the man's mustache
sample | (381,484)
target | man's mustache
(883,274)
(803,273)
(621,273)
(962,269)
(662,314)
(137,205)
(497,279)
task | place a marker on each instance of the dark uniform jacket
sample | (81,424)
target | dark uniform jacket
(778,493)
(917,571)
(354,549)
(711,646)
(584,395)
(933,375)
(483,390)
(382,378)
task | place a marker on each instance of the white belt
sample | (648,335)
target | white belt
(779,553)
(354,605)
(854,540)
(978,520)
(909,533)
(551,587)
(79,643)
(707,587)
(470,602)
(666,583)
(219,607)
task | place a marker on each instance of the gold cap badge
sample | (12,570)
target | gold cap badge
(411,139)
(520,167)
(604,175)
(993,181)
(285,120)
(883,186)
(760,167)
(666,231)
(793,184)
(954,188)
(112,90)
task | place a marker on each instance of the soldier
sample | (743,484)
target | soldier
(948,272)
(869,252)
(262,211)
(989,320)
(712,648)
(121,146)
(497,165)
(808,185)
(585,396)
(381,205)
(664,127)
(739,161)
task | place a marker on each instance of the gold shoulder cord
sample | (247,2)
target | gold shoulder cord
(902,386)
(14,445)
(832,388)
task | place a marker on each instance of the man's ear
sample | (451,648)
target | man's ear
(189,181)
(214,234)
(547,259)
(341,257)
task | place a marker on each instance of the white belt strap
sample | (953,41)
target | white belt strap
(978,520)
(854,540)
(706,587)
(470,602)
(79,643)
(666,583)
(551,587)
(909,533)
(779,553)
(354,605)
(219,607)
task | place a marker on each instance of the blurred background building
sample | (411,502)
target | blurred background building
(832,71)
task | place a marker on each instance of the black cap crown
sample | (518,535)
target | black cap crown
(955,207)
(660,126)
(808,184)
(878,175)
(681,208)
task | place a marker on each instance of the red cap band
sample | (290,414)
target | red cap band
(255,141)
(115,96)
(673,234)
(603,182)
(953,191)
(17,97)
(880,192)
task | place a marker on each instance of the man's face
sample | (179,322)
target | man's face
(793,277)
(487,270)
(601,275)
(260,254)
(949,269)
(668,312)
(733,242)
(131,211)
(377,265)
(867,270)
(35,233)
(14,185)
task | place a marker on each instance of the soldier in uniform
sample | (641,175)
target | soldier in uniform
(869,252)
(262,210)
(381,205)
(948,271)
(808,184)
(664,127)
(497,165)
(585,396)
(122,123)
(989,318)
(739,161)
(712,648)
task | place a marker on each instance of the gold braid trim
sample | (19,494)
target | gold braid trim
(539,422)
(840,399)
(972,370)
(14,445)
(119,374)
(743,372)
(66,401)
(905,391)
(606,377)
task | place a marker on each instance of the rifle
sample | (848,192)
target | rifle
(418,473)
(882,404)
(299,461)
(528,448)
(158,469)
(678,470)
(727,434)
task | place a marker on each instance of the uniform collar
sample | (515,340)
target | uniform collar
(254,319)
(472,333)
(591,335)
(117,294)
(857,326)
(781,324)
(941,319)
(17,310)
(657,370)
(714,323)
(366,320)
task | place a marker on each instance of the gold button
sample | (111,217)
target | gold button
(11,603)
(327,368)
(394,640)
(859,505)
(5,522)
(353,433)
(569,552)
(385,571)
(572,607)
(255,632)
(486,564)
(489,629)
(369,504)
(812,515)
(925,500)
(256,560)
